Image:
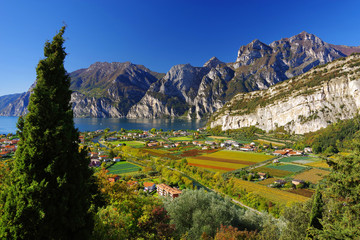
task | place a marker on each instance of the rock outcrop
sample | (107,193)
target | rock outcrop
(302,104)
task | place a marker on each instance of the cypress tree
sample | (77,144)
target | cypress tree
(50,192)
(316,214)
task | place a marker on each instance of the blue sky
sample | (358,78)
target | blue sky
(157,33)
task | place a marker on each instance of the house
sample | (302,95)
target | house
(177,144)
(152,144)
(295,153)
(308,150)
(280,152)
(297,182)
(117,159)
(262,175)
(166,190)
(276,161)
(95,163)
(246,148)
(132,184)
(149,186)
(210,143)
(279,182)
(94,154)
(4,153)
(114,178)
(104,157)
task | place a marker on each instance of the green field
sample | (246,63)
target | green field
(185,138)
(123,167)
(287,167)
(273,172)
(129,143)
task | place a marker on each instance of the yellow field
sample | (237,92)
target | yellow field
(321,164)
(242,156)
(263,141)
(217,137)
(216,164)
(313,175)
(272,194)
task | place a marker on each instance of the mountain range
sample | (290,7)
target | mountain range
(133,91)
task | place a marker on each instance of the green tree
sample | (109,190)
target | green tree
(50,194)
(317,210)
(196,212)
(341,196)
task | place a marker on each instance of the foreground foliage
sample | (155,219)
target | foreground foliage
(49,194)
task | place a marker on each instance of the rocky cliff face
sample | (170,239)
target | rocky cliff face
(174,94)
(302,104)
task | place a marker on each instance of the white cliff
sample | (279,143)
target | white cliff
(302,104)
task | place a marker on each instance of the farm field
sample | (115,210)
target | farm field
(287,167)
(303,192)
(160,153)
(263,141)
(296,159)
(215,164)
(135,144)
(272,194)
(319,164)
(240,156)
(273,172)
(267,181)
(313,175)
(123,167)
(217,137)
(227,160)
(184,138)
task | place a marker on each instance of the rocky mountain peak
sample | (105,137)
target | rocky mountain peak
(306,39)
(213,62)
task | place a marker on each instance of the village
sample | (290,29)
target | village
(128,155)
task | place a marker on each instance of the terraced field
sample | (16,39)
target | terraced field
(123,167)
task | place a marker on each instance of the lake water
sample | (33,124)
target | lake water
(8,124)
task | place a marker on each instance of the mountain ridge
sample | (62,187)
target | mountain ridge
(134,91)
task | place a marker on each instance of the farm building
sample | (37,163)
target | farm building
(149,186)
(165,190)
